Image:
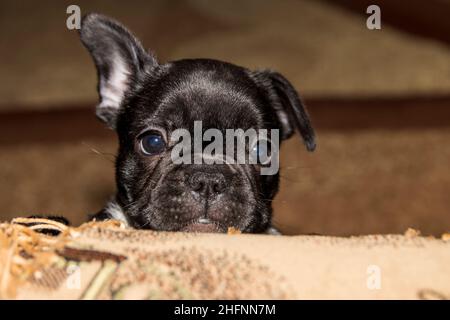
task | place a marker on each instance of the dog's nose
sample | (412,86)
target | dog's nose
(207,184)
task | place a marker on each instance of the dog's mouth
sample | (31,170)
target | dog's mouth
(204,225)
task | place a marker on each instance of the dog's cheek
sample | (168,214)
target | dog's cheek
(167,203)
(132,184)
(265,188)
(244,201)
(125,172)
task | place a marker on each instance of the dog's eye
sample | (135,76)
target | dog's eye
(261,151)
(152,143)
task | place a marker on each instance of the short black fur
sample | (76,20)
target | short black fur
(138,94)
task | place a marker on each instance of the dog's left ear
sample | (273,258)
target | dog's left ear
(289,108)
(120,59)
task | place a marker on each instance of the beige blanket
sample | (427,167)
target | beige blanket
(107,261)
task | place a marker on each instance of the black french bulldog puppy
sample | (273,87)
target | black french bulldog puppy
(144,101)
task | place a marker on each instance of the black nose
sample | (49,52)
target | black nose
(207,184)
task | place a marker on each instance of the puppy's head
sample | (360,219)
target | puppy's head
(146,102)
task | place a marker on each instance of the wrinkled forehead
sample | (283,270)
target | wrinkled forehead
(220,101)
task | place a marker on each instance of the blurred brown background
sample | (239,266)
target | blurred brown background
(380,101)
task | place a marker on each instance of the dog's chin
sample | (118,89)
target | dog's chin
(204,226)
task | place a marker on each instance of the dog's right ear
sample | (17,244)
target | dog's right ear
(120,59)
